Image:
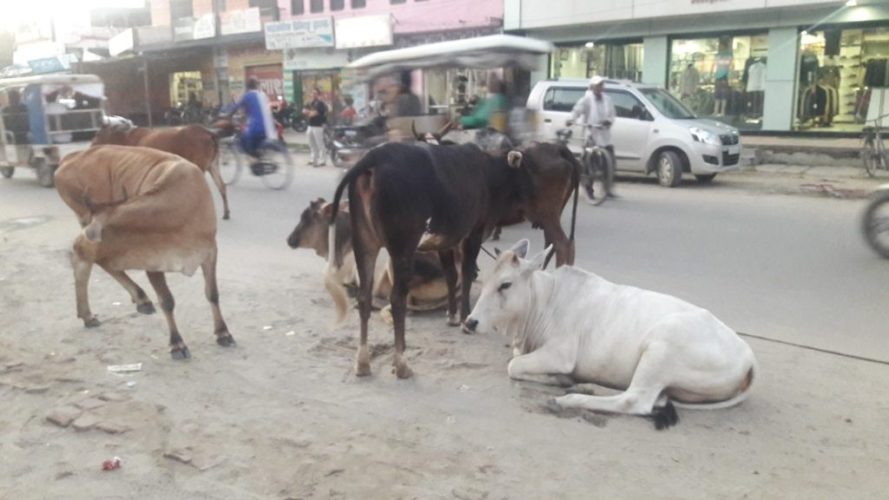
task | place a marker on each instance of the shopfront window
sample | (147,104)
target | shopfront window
(721,77)
(611,60)
(843,78)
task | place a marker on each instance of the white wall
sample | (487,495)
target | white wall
(780,79)
(655,53)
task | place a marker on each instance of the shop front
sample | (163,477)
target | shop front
(798,66)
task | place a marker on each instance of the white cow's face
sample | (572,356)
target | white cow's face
(507,292)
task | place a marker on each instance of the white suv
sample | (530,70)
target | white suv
(653,131)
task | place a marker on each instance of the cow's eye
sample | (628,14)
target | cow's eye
(504,286)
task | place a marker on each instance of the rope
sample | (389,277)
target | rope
(816,349)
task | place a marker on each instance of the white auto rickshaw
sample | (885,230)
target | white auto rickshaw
(42,119)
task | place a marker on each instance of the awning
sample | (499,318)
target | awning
(492,51)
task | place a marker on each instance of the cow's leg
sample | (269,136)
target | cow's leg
(564,248)
(220,185)
(82,270)
(450,271)
(551,364)
(137,294)
(178,349)
(365,262)
(642,396)
(471,247)
(402,267)
(208,267)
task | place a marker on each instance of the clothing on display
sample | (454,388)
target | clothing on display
(818,103)
(808,68)
(756,76)
(723,65)
(688,81)
(876,73)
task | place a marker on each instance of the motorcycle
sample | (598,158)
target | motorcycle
(348,143)
(876,221)
(284,114)
(298,121)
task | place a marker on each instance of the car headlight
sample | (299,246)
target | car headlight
(705,136)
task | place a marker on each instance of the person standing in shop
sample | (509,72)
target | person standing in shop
(316,112)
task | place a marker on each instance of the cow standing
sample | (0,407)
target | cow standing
(192,142)
(573,326)
(406,197)
(143,209)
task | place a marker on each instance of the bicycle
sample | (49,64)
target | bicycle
(597,168)
(274,165)
(875,154)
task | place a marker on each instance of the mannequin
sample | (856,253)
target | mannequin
(722,70)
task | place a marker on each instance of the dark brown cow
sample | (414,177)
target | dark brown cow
(410,197)
(427,289)
(192,142)
(143,209)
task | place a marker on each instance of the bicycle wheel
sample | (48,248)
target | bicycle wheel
(595,178)
(276,166)
(876,223)
(229,161)
(870,156)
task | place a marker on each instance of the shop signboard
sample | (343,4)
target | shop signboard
(364,31)
(299,33)
(240,21)
(183,29)
(306,59)
(120,43)
(204,27)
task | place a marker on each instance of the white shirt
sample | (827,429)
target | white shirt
(594,112)
(756,77)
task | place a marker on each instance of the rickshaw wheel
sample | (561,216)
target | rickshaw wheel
(45,172)
(7,171)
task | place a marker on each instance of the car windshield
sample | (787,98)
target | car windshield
(668,105)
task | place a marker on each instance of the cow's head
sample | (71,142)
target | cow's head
(114,131)
(311,230)
(508,292)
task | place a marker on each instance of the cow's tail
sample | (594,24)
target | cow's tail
(332,281)
(728,403)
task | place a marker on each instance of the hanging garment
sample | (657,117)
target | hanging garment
(876,74)
(756,77)
(808,68)
(829,75)
(832,42)
(688,81)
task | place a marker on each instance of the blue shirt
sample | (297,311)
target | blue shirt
(252,105)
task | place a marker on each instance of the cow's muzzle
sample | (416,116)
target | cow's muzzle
(470,325)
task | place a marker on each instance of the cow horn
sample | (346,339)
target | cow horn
(414,131)
(444,130)
(514,159)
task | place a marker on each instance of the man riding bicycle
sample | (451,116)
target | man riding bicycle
(260,126)
(598,114)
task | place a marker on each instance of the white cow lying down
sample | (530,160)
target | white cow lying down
(570,325)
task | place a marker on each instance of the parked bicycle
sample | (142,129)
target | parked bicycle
(876,221)
(875,154)
(597,169)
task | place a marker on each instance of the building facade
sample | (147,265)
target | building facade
(760,65)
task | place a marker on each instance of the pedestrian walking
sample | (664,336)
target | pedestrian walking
(316,112)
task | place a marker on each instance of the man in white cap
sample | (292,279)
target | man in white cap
(598,114)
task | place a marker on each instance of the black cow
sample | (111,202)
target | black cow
(407,197)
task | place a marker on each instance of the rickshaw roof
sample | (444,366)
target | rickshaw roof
(60,79)
(491,51)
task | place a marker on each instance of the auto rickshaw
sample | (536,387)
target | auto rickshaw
(43,118)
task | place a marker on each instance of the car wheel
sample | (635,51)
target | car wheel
(669,169)
(705,178)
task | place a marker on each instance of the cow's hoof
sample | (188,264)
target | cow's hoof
(362,369)
(402,371)
(145,308)
(226,340)
(180,353)
(454,320)
(226,216)
(91,322)
(664,416)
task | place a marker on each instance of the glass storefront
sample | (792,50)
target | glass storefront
(843,78)
(611,60)
(721,77)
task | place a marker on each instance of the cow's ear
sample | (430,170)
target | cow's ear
(514,159)
(520,249)
(536,263)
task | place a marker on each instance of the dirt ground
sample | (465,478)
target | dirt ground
(283,416)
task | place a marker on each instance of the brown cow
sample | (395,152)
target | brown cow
(144,209)
(192,142)
(427,289)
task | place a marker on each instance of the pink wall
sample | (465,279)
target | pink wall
(418,16)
